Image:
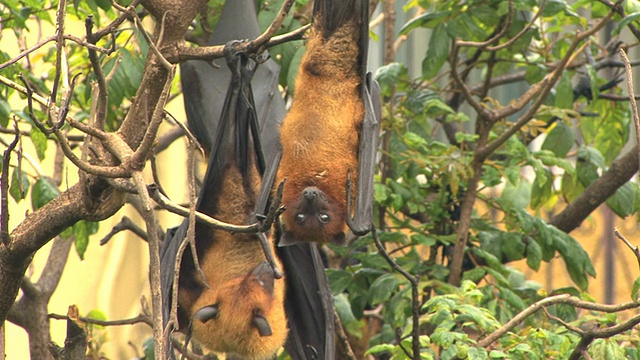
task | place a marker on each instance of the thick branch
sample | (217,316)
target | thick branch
(598,192)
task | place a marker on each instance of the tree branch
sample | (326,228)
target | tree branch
(621,171)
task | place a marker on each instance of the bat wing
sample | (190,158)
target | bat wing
(362,221)
(309,303)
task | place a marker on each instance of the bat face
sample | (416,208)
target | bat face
(314,215)
(242,315)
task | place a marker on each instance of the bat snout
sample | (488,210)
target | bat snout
(311,194)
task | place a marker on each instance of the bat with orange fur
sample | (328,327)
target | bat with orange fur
(330,134)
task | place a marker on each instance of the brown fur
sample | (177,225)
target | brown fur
(227,263)
(320,133)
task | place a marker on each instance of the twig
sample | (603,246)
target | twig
(632,99)
(103,93)
(151,224)
(498,36)
(113,141)
(260,43)
(415,298)
(343,340)
(4,187)
(185,130)
(540,90)
(167,204)
(124,224)
(60,48)
(569,300)
(47,40)
(522,32)
(139,157)
(589,336)
(533,308)
(634,249)
(153,45)
(141,318)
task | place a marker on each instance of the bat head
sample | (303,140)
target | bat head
(314,217)
(242,315)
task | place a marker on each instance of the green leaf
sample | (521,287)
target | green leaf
(564,92)
(575,257)
(512,245)
(634,289)
(5,111)
(476,274)
(541,190)
(625,22)
(553,7)
(42,192)
(606,349)
(426,20)
(339,280)
(382,288)
(147,349)
(380,348)
(437,52)
(19,185)
(534,254)
(97,315)
(104,4)
(388,77)
(559,140)
(39,141)
(622,202)
(343,308)
(81,238)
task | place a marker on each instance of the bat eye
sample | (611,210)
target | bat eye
(324,218)
(300,218)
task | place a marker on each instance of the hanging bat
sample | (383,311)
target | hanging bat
(242,310)
(330,134)
(308,302)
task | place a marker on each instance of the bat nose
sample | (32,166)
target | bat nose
(310,194)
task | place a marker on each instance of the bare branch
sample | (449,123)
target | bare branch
(141,318)
(632,99)
(415,299)
(4,187)
(103,93)
(124,224)
(634,249)
(167,204)
(569,300)
(498,36)
(259,44)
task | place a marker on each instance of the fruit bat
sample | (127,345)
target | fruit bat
(242,309)
(330,134)
(308,301)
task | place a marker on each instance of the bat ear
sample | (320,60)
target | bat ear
(288,238)
(207,313)
(263,273)
(339,239)
(261,323)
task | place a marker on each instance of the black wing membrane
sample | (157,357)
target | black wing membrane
(332,14)
(212,97)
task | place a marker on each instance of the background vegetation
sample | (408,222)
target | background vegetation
(516,128)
